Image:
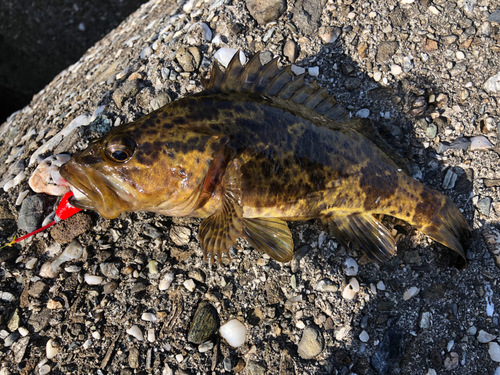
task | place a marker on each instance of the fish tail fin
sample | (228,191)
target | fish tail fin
(447,226)
(371,236)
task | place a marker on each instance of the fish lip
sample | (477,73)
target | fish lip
(78,180)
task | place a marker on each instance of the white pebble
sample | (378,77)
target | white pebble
(189,285)
(341,333)
(205,347)
(298,70)
(460,55)
(149,317)
(313,71)
(377,76)
(450,345)
(351,289)
(136,332)
(480,143)
(30,264)
(363,336)
(431,372)
(380,285)
(151,335)
(87,344)
(96,335)
(396,70)
(50,349)
(153,267)
(166,281)
(351,267)
(15,181)
(410,292)
(72,252)
(21,196)
(92,279)
(23,331)
(426,321)
(6,296)
(45,369)
(224,56)
(234,332)
(485,337)
(179,358)
(363,113)
(216,41)
(494,351)
(300,324)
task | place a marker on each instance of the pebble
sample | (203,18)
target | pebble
(160,100)
(149,317)
(364,337)
(431,130)
(312,343)
(234,332)
(11,339)
(166,281)
(31,213)
(326,286)
(450,179)
(484,205)
(189,285)
(410,292)
(266,11)
(492,85)
(451,361)
(494,17)
(205,347)
(313,71)
(92,279)
(329,34)
(110,270)
(188,58)
(151,335)
(396,70)
(351,267)
(363,113)
(380,285)
(494,351)
(204,324)
(377,76)
(19,349)
(351,289)
(45,369)
(72,252)
(459,143)
(485,337)
(23,331)
(13,323)
(480,143)
(125,91)
(492,239)
(290,50)
(298,70)
(180,235)
(136,332)
(426,320)
(52,348)
(110,287)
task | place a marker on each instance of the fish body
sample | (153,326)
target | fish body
(257,148)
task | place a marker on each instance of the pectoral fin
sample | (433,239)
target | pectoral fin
(221,230)
(271,236)
(368,234)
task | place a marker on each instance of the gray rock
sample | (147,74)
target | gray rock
(151,231)
(31,213)
(307,15)
(110,270)
(484,337)
(386,50)
(389,352)
(39,320)
(312,343)
(431,131)
(265,11)
(352,83)
(290,50)
(205,323)
(109,287)
(495,16)
(133,358)
(125,91)
(253,368)
(460,143)
(19,348)
(188,58)
(484,206)
(160,100)
(37,289)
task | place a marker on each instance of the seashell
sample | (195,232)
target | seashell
(234,332)
(224,56)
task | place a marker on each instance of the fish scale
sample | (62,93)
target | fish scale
(259,147)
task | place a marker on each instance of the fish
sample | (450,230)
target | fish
(258,147)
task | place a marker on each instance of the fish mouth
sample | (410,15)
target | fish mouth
(92,190)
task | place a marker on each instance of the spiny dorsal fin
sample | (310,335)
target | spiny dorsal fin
(269,79)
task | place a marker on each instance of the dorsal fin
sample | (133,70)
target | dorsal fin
(269,79)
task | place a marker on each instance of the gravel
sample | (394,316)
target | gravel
(419,71)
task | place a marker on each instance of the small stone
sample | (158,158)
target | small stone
(313,71)
(206,346)
(307,15)
(151,335)
(460,55)
(30,264)
(204,324)
(485,337)
(385,51)
(351,289)
(377,76)
(471,331)
(52,348)
(364,337)
(410,292)
(11,339)
(180,235)
(189,285)
(133,357)
(449,179)
(480,143)
(298,70)
(429,45)
(37,289)
(149,317)
(431,131)
(125,91)
(92,279)
(188,58)
(13,323)
(136,332)
(253,368)
(52,304)
(110,270)
(30,215)
(160,100)
(363,113)
(329,34)
(166,281)
(290,50)
(19,348)
(434,10)
(44,370)
(67,230)
(484,205)
(494,351)
(381,285)
(179,358)
(492,85)
(300,324)
(451,361)
(23,331)
(265,11)
(234,332)
(312,343)
(495,16)
(425,321)
(396,70)
(110,287)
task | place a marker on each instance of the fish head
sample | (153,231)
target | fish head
(131,169)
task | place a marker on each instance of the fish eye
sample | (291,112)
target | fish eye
(120,149)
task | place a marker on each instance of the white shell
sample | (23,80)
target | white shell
(136,332)
(92,279)
(149,317)
(234,332)
(224,56)
(50,350)
(351,289)
(46,177)
(410,292)
(166,281)
(51,269)
(350,267)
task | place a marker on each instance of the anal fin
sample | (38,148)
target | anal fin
(271,236)
(221,230)
(366,232)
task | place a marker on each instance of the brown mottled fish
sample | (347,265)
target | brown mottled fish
(260,146)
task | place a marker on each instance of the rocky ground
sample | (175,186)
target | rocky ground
(126,300)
